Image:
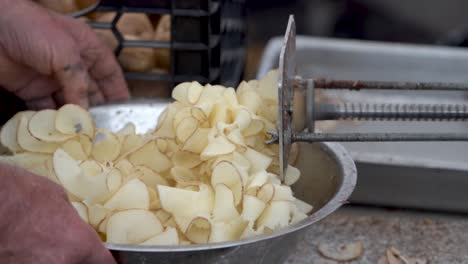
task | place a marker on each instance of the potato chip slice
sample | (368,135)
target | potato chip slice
(124,166)
(347,252)
(268,86)
(187,92)
(224,209)
(132,195)
(128,129)
(198,114)
(130,143)
(162,215)
(252,208)
(106,146)
(73,119)
(27,142)
(292,175)
(184,176)
(132,227)
(74,148)
(199,230)
(91,167)
(296,214)
(186,159)
(165,128)
(275,216)
(259,161)
(150,156)
(81,210)
(96,213)
(266,192)
(168,237)
(42,126)
(178,201)
(250,99)
(303,206)
(26,160)
(198,141)
(9,132)
(227,231)
(150,177)
(72,177)
(283,193)
(186,128)
(181,115)
(226,173)
(216,147)
(114,180)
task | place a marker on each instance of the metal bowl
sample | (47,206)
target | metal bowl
(328,179)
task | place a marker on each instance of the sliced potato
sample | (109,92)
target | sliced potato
(114,180)
(106,146)
(186,159)
(259,161)
(292,175)
(266,192)
(132,195)
(73,119)
(42,126)
(168,237)
(303,206)
(96,213)
(186,128)
(27,142)
(224,207)
(150,156)
(252,208)
(74,148)
(198,141)
(347,252)
(199,230)
(226,173)
(231,230)
(275,216)
(150,177)
(91,168)
(132,227)
(9,132)
(268,86)
(128,129)
(216,147)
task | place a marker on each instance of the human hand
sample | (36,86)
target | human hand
(48,59)
(38,224)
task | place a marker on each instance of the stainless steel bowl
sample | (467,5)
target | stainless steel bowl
(328,179)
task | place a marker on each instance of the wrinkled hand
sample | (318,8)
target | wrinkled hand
(48,59)
(38,224)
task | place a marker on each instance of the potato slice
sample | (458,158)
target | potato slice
(106,146)
(226,173)
(216,147)
(27,142)
(198,141)
(178,201)
(259,161)
(184,176)
(303,206)
(91,168)
(198,114)
(292,175)
(26,160)
(81,210)
(181,115)
(132,227)
(258,179)
(150,177)
(150,156)
(162,215)
(268,86)
(42,126)
(342,253)
(229,231)
(9,132)
(266,192)
(275,216)
(96,213)
(199,230)
(74,180)
(283,193)
(250,99)
(165,128)
(167,238)
(73,119)
(186,128)
(252,208)
(186,159)
(128,129)
(209,96)
(124,166)
(114,180)
(130,143)
(74,148)
(296,214)
(132,195)
(224,209)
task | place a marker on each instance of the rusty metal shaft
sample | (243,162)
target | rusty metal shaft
(374,111)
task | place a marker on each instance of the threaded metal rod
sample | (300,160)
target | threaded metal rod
(377,137)
(369,111)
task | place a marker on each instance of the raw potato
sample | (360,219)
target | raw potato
(72,119)
(203,175)
(343,253)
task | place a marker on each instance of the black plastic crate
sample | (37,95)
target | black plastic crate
(202,31)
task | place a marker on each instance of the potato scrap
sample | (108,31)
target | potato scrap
(203,175)
(342,253)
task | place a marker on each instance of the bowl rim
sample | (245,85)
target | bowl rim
(345,188)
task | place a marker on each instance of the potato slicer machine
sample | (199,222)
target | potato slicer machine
(298,110)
